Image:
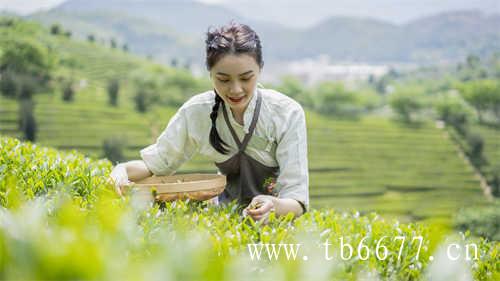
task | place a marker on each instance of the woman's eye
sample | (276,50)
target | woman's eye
(242,79)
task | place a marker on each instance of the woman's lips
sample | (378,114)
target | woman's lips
(236,100)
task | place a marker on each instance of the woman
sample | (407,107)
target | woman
(252,134)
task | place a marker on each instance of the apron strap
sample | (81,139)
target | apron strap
(235,137)
(254,122)
(242,146)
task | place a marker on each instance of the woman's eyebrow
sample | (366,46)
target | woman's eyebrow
(248,72)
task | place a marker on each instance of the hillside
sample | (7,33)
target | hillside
(373,164)
(141,35)
(85,123)
(162,29)
(444,37)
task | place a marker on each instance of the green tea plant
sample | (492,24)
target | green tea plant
(60,219)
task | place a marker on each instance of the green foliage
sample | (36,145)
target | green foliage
(368,100)
(68,92)
(481,144)
(382,83)
(472,61)
(7,21)
(333,99)
(79,229)
(113,148)
(36,171)
(25,67)
(8,85)
(174,62)
(484,96)
(27,87)
(146,85)
(113,88)
(27,122)
(143,100)
(179,86)
(56,29)
(112,43)
(452,109)
(293,88)
(407,103)
(480,220)
(475,147)
(164,86)
(27,57)
(496,64)
(91,38)
(493,178)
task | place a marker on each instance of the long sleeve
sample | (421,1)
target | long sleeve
(173,147)
(291,154)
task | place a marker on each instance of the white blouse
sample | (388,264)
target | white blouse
(279,139)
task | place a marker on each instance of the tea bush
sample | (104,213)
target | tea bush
(60,219)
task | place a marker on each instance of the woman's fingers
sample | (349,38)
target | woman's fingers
(119,178)
(119,187)
(126,186)
(263,218)
(265,208)
(112,181)
(262,212)
(118,190)
(123,186)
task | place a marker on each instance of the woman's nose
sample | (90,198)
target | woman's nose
(235,88)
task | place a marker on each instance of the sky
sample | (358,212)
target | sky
(304,13)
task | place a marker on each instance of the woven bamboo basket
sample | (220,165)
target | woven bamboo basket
(198,187)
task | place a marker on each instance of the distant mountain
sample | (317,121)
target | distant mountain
(305,14)
(352,39)
(163,29)
(172,28)
(448,36)
(454,34)
(140,35)
(186,16)
(442,37)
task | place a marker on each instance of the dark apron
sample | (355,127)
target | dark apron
(245,175)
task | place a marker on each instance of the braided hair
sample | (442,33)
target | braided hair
(215,139)
(233,38)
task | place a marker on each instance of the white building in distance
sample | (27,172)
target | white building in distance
(311,71)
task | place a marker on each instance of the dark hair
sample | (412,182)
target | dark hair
(233,38)
(215,139)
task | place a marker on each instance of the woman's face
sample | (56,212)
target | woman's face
(235,78)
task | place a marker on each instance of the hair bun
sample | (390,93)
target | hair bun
(233,38)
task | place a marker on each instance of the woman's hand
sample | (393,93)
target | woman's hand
(261,207)
(119,178)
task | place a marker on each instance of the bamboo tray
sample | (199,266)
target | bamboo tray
(198,187)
